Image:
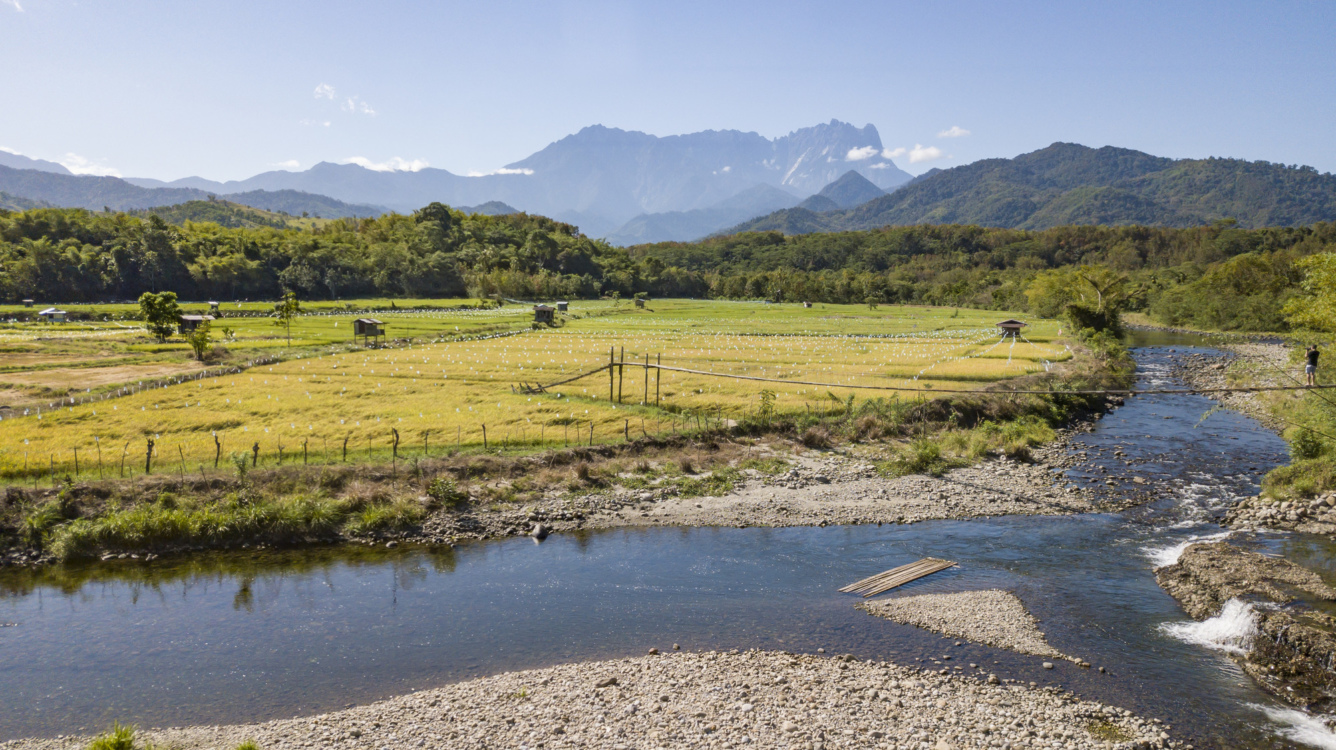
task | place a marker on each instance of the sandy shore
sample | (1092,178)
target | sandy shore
(992,617)
(685,700)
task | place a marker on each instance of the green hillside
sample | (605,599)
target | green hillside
(1068,184)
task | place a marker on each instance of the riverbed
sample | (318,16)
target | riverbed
(247,636)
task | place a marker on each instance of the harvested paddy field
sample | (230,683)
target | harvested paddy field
(414,401)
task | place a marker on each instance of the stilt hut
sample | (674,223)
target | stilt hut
(368,329)
(188,323)
(563,306)
(544,314)
(1010,327)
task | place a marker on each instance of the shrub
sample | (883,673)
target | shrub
(445,492)
(119,737)
(1306,444)
(816,437)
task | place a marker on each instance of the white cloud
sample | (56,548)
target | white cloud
(859,154)
(921,153)
(322,123)
(502,170)
(10,151)
(881,165)
(955,131)
(353,104)
(893,153)
(14,3)
(79,165)
(324,91)
(290,164)
(394,164)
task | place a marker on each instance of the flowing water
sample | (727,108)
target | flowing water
(251,636)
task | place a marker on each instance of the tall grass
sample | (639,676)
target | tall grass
(228,522)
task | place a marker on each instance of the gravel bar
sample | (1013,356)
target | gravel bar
(993,618)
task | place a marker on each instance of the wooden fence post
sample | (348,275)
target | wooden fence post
(484,437)
(217,450)
(621,373)
(148,457)
(76,464)
(644,400)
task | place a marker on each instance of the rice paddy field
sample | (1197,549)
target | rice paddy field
(438,393)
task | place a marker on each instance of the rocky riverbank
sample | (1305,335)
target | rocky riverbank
(992,617)
(795,486)
(1241,363)
(727,700)
(1294,644)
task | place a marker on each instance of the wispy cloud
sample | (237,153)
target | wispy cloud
(955,131)
(289,164)
(321,123)
(921,153)
(324,91)
(394,164)
(10,151)
(503,170)
(79,165)
(14,4)
(894,153)
(353,104)
(861,154)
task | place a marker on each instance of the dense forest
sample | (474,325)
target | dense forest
(1219,276)
(1066,184)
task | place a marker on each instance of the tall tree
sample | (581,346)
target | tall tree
(160,313)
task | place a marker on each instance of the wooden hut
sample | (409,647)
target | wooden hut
(563,306)
(368,328)
(1011,327)
(27,303)
(640,302)
(545,314)
(214,310)
(52,315)
(186,324)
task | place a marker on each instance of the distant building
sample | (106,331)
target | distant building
(368,328)
(52,315)
(1011,327)
(563,306)
(27,303)
(640,302)
(545,314)
(188,323)
(213,310)
(807,304)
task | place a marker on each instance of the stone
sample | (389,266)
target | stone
(1048,665)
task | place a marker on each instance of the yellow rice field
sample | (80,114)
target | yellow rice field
(439,396)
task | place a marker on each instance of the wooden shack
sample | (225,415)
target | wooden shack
(214,310)
(52,315)
(545,314)
(640,302)
(368,328)
(27,303)
(1011,327)
(187,324)
(563,306)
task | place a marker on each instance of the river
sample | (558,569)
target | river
(249,636)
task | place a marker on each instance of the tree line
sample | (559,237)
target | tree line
(1218,276)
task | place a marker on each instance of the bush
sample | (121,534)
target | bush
(816,437)
(446,493)
(1306,444)
(923,456)
(119,737)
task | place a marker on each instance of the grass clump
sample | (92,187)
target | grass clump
(922,456)
(1108,732)
(119,737)
(248,745)
(397,515)
(718,482)
(445,492)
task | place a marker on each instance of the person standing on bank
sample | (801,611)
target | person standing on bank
(1310,368)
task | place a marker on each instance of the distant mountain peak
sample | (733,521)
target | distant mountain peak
(851,189)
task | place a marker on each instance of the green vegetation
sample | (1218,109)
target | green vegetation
(1069,184)
(160,313)
(119,737)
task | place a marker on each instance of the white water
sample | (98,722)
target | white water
(1168,555)
(1232,630)
(1301,727)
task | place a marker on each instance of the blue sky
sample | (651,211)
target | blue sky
(228,89)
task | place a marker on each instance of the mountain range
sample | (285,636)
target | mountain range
(1067,183)
(632,188)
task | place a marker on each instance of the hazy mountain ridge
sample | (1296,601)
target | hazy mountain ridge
(1073,184)
(700,222)
(96,193)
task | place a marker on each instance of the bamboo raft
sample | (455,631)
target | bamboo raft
(883,582)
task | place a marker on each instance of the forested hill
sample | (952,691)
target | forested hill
(1068,184)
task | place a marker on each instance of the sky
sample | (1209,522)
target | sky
(225,90)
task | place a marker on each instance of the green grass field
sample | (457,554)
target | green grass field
(438,394)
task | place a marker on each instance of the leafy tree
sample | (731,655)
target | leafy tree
(286,310)
(200,340)
(160,313)
(1316,308)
